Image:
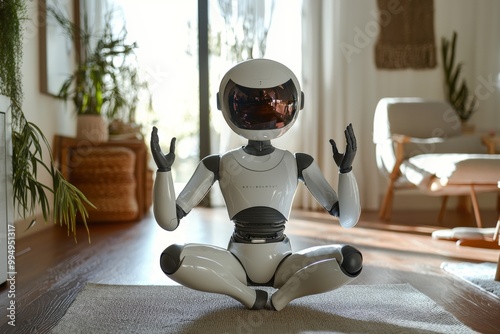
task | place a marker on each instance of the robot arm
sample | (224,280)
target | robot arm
(345,205)
(164,206)
(167,210)
(348,208)
(200,183)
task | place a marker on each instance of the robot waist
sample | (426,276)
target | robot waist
(258,232)
(259,225)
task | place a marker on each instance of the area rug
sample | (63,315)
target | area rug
(482,275)
(396,308)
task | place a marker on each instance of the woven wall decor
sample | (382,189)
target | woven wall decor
(406,38)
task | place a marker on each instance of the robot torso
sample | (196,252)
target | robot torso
(258,190)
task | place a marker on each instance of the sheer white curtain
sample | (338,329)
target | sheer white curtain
(95,13)
(274,30)
(342,85)
(336,88)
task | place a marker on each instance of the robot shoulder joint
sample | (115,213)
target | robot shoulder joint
(303,161)
(212,162)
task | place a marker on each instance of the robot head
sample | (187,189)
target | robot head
(260,99)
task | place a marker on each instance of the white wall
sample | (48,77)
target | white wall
(47,112)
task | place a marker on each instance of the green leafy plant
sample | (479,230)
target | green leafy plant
(457,91)
(106,80)
(28,139)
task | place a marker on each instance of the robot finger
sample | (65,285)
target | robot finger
(350,137)
(172,145)
(155,146)
(154,137)
(334,146)
(337,156)
(155,143)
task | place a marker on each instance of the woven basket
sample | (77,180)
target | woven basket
(105,175)
(148,202)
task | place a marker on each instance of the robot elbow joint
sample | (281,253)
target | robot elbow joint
(335,210)
(170,225)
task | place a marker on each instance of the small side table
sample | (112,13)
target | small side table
(66,147)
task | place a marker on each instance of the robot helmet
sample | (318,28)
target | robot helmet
(260,99)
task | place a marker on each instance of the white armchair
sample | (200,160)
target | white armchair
(420,143)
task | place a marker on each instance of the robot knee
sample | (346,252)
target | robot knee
(170,259)
(352,262)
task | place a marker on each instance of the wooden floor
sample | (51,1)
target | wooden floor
(52,269)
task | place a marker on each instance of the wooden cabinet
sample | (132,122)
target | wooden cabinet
(72,154)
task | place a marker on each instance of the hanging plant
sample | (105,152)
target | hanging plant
(457,91)
(28,139)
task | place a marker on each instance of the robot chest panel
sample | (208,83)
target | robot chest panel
(258,182)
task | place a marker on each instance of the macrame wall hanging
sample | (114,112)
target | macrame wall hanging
(406,38)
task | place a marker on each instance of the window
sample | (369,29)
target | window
(167,35)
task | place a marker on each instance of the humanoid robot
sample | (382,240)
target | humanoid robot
(260,100)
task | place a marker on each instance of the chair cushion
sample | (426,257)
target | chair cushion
(432,172)
(465,144)
(414,117)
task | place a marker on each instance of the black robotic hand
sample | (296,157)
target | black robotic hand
(344,161)
(163,162)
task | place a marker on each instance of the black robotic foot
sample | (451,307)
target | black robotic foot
(272,306)
(260,300)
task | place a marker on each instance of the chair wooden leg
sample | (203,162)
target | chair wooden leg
(443,209)
(496,235)
(496,238)
(463,204)
(498,202)
(385,210)
(475,206)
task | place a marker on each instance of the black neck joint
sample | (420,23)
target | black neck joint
(259,148)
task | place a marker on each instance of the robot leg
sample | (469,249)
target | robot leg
(210,269)
(315,270)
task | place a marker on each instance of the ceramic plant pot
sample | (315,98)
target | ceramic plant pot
(93,128)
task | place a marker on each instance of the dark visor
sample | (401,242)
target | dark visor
(262,108)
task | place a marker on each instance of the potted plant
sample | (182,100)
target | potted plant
(28,139)
(457,91)
(105,85)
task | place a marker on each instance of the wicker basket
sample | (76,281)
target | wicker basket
(148,202)
(106,176)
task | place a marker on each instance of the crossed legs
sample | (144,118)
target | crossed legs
(214,269)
